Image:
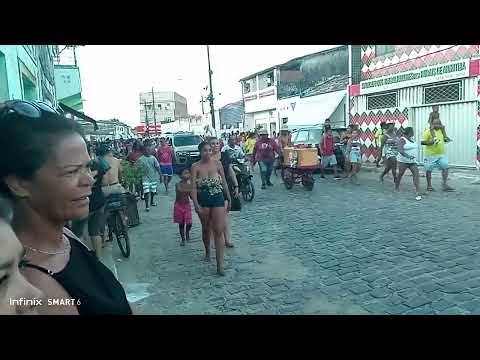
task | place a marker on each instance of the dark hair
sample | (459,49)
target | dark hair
(408,131)
(27,143)
(103,150)
(202,145)
(327,127)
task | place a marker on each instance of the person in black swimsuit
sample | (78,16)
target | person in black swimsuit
(45,170)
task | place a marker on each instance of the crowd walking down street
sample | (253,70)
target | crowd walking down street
(313,251)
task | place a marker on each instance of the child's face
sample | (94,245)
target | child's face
(355,134)
(186,175)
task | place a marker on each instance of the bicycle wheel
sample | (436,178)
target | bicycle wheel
(288,178)
(248,192)
(308,181)
(121,233)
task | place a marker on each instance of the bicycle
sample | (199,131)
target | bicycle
(115,208)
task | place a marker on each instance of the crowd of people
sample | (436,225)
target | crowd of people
(50,177)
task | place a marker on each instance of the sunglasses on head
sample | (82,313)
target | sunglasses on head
(29,109)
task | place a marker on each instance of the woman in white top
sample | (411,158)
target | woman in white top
(407,159)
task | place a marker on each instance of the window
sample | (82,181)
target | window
(187,140)
(441,93)
(382,101)
(250,85)
(381,50)
(4,94)
(302,137)
(314,136)
(29,89)
(159,106)
(265,80)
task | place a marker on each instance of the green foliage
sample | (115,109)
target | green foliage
(132,173)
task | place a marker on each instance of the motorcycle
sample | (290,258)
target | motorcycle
(244,179)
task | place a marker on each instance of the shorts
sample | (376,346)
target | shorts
(355,157)
(329,160)
(166,170)
(205,200)
(439,161)
(96,222)
(182,213)
(150,187)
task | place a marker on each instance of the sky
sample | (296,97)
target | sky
(113,75)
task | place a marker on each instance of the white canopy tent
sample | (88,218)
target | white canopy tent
(312,110)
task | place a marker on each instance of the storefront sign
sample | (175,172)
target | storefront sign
(426,75)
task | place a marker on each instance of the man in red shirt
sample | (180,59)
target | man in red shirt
(165,157)
(264,153)
(327,144)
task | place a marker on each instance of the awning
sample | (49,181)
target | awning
(312,110)
(79,115)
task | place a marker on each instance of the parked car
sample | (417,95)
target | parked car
(185,147)
(311,136)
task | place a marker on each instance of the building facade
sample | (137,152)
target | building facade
(27,73)
(232,115)
(112,129)
(68,84)
(304,91)
(162,107)
(260,100)
(313,88)
(400,83)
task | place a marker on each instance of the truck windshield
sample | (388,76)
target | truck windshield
(187,140)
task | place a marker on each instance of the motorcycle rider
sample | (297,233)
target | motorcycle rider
(234,150)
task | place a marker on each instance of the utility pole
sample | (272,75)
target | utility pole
(154,114)
(146,118)
(210,96)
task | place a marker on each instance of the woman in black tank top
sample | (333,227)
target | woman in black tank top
(46,171)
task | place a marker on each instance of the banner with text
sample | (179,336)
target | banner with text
(426,75)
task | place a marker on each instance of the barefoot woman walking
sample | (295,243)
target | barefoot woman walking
(208,193)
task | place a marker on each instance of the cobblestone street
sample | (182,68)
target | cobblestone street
(341,249)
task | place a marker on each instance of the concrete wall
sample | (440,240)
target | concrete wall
(20,72)
(168,107)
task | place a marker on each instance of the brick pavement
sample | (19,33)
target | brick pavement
(340,249)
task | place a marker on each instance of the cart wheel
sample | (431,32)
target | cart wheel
(307,182)
(288,178)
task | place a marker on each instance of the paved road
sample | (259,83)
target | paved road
(341,249)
